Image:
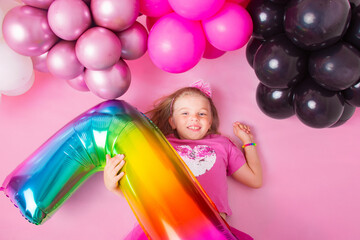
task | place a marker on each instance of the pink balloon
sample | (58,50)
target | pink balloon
(150,22)
(110,83)
(69,18)
(155,8)
(243,3)
(26,31)
(212,52)
(114,14)
(39,62)
(176,44)
(78,83)
(44,4)
(133,41)
(196,10)
(230,28)
(62,61)
(98,48)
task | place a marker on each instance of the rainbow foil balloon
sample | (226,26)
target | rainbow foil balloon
(166,198)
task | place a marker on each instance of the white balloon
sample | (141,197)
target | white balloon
(16,71)
(23,89)
(2,14)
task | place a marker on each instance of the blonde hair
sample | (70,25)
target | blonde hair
(163,109)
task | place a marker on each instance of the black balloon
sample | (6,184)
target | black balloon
(280,64)
(279,1)
(353,33)
(316,106)
(354,3)
(251,48)
(352,95)
(346,115)
(336,67)
(316,24)
(267,18)
(275,103)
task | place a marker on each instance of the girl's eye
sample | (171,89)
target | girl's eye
(184,113)
(202,114)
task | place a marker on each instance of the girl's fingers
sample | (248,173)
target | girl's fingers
(118,167)
(118,177)
(113,165)
(112,162)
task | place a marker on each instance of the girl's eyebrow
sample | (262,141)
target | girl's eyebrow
(182,108)
(186,108)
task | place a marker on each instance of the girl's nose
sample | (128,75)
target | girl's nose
(194,118)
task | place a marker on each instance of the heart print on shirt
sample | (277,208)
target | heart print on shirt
(199,159)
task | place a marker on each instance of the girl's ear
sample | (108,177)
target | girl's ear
(171,122)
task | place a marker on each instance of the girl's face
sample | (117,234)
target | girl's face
(191,117)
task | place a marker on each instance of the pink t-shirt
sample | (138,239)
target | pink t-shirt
(211,160)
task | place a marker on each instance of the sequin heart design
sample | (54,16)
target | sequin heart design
(199,160)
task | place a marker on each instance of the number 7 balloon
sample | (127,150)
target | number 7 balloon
(162,192)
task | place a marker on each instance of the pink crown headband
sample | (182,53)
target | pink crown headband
(204,87)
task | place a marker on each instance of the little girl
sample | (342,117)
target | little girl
(189,120)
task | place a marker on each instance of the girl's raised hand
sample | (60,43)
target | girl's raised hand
(112,174)
(243,132)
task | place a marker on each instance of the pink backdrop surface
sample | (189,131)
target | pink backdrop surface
(310,175)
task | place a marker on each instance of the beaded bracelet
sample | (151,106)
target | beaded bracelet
(249,144)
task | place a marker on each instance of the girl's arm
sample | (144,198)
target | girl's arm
(112,174)
(250,173)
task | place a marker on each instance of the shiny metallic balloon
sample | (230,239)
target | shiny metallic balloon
(313,25)
(79,83)
(109,83)
(275,103)
(280,64)
(62,61)
(44,4)
(26,31)
(98,48)
(39,62)
(114,14)
(352,94)
(162,192)
(252,46)
(133,41)
(69,18)
(267,17)
(316,106)
(336,67)
(348,112)
(352,35)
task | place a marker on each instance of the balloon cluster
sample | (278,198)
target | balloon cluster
(306,55)
(81,41)
(184,31)
(13,82)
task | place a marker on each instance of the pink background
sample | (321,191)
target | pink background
(310,175)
